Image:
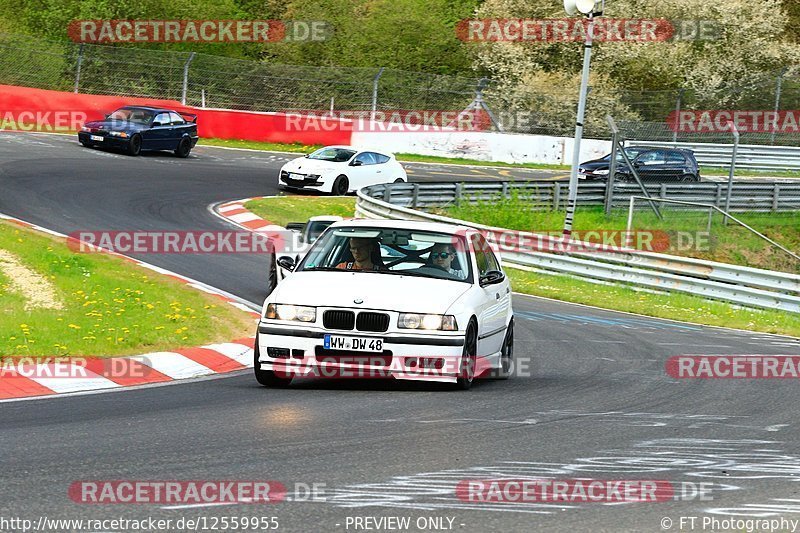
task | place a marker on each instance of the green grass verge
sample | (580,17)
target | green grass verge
(728,244)
(674,306)
(284,209)
(110,306)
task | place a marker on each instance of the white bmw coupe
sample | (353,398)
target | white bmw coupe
(388,298)
(341,169)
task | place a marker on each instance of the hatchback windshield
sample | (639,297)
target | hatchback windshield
(337,155)
(391,251)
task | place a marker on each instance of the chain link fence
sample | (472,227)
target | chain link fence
(221,82)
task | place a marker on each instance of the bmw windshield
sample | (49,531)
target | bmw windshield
(132,114)
(390,251)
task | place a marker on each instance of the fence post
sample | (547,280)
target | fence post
(556,195)
(776,195)
(186,78)
(375,94)
(612,169)
(415,196)
(504,191)
(387,193)
(78,68)
(662,193)
(677,115)
(458,193)
(778,87)
(733,168)
(203,98)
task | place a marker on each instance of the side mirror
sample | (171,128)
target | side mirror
(286,262)
(356,164)
(306,155)
(492,277)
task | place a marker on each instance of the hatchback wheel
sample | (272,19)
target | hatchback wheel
(341,186)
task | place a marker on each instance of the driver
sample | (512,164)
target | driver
(366,255)
(442,256)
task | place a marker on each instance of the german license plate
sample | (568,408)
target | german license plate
(353,344)
(296,176)
(96,137)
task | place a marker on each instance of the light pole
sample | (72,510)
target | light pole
(589,9)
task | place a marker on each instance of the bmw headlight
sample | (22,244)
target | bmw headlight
(429,322)
(601,172)
(300,313)
(84,128)
(118,134)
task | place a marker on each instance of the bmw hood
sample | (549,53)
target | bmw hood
(114,125)
(408,294)
(305,165)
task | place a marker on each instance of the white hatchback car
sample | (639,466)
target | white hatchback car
(388,298)
(341,169)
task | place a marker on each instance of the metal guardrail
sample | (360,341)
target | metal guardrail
(749,156)
(764,197)
(719,281)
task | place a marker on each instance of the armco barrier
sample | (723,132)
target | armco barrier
(211,123)
(745,196)
(719,281)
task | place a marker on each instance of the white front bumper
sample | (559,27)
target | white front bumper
(402,352)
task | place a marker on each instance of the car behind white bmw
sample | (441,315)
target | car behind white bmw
(388,298)
(341,169)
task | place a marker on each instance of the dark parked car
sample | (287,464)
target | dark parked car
(652,164)
(136,128)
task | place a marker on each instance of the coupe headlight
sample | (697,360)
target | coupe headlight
(84,128)
(300,313)
(118,134)
(601,172)
(430,322)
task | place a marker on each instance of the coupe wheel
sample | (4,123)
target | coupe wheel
(466,371)
(267,378)
(184,147)
(341,186)
(135,145)
(690,178)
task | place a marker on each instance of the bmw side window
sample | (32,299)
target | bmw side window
(482,261)
(163,119)
(176,119)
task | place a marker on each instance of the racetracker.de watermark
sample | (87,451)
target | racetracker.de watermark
(395,121)
(575,30)
(198,31)
(594,241)
(580,491)
(722,121)
(733,366)
(63,367)
(42,120)
(183,242)
(194,492)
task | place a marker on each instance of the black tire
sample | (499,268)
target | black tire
(135,145)
(690,178)
(267,378)
(399,180)
(87,144)
(466,371)
(340,186)
(184,147)
(507,354)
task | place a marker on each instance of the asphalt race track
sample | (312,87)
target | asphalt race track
(594,400)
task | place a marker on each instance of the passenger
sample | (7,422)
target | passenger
(442,256)
(366,255)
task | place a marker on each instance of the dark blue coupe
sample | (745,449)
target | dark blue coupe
(137,128)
